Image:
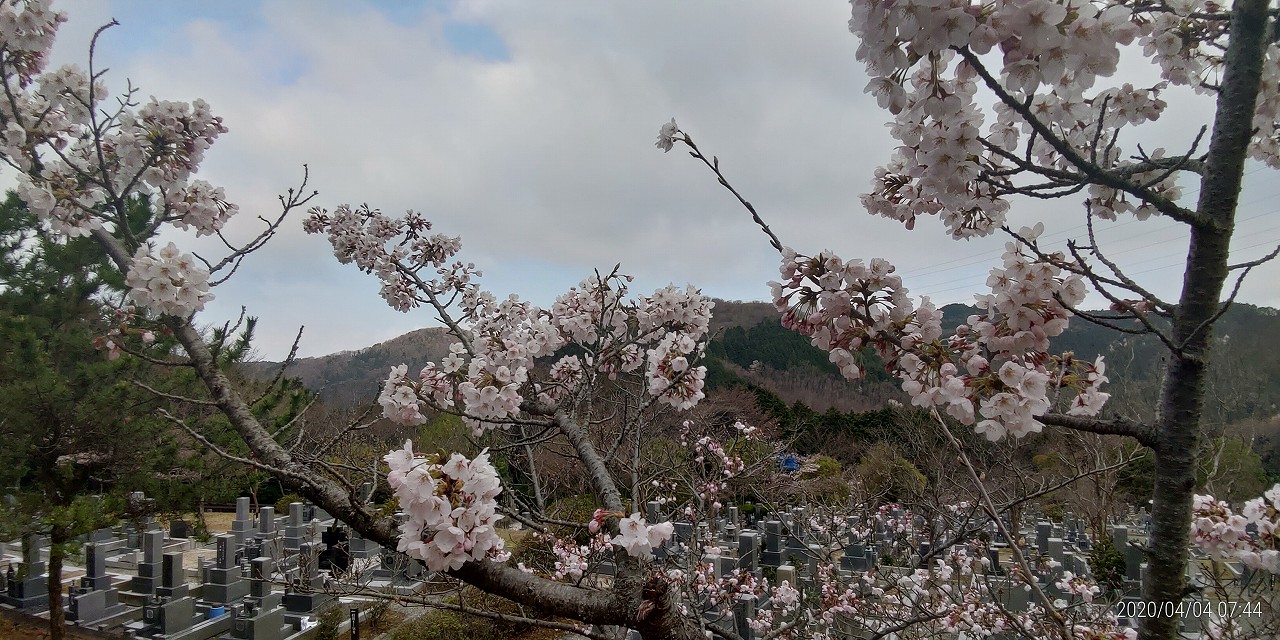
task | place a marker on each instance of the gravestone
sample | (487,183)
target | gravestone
(363,549)
(95,569)
(148,577)
(811,560)
(787,573)
(296,529)
(651,511)
(260,616)
(179,529)
(27,585)
(267,521)
(744,611)
(1056,551)
(1012,595)
(166,617)
(993,557)
(243,527)
(855,558)
(1043,531)
(305,595)
(748,550)
(1133,557)
(336,557)
(772,555)
(173,577)
(94,600)
(89,608)
(1120,537)
(722,566)
(224,582)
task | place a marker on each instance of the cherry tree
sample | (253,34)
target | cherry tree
(596,375)
(122,171)
(1055,130)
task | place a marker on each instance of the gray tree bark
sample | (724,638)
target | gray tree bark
(1182,395)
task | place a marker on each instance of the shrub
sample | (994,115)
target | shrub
(282,505)
(1107,564)
(328,622)
(438,625)
(375,615)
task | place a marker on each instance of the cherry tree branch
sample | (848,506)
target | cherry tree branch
(1090,170)
(714,165)
(1143,433)
(989,505)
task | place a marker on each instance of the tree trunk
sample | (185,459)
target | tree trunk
(57,547)
(1186,374)
(202,526)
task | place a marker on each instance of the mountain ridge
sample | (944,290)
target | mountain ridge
(749,346)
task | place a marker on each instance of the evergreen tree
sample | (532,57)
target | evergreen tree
(70,417)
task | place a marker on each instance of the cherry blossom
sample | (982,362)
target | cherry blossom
(666,136)
(639,538)
(168,282)
(1251,536)
(995,366)
(490,374)
(451,507)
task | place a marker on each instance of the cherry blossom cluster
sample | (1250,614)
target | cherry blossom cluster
(665,491)
(200,206)
(1079,586)
(27,31)
(707,447)
(76,155)
(153,150)
(635,535)
(490,374)
(120,322)
(1107,202)
(451,507)
(574,560)
(996,366)
(722,591)
(671,377)
(1047,54)
(394,249)
(486,379)
(1225,534)
(639,538)
(168,281)
(718,465)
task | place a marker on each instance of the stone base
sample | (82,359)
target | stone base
(38,602)
(224,593)
(305,602)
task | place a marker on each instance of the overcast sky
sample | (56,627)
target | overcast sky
(528,129)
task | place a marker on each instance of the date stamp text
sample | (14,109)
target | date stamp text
(1138,609)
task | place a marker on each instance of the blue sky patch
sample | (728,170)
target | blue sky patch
(476,40)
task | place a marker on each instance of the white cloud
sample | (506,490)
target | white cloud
(544,163)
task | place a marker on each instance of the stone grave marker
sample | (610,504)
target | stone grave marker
(225,582)
(148,577)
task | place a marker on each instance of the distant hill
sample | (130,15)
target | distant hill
(351,378)
(749,346)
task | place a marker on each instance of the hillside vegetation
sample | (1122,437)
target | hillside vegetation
(798,386)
